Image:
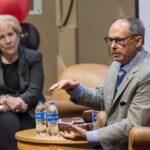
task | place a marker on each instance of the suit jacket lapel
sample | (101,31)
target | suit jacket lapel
(128,77)
(111,83)
(1,76)
(22,69)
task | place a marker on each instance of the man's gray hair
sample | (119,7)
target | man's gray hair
(136,26)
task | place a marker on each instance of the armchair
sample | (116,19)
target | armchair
(139,138)
(89,75)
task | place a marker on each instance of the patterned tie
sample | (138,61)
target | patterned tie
(121,75)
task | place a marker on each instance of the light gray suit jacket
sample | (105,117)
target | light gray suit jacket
(129,107)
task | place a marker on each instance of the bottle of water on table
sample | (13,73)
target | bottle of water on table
(52,119)
(40,118)
(94,119)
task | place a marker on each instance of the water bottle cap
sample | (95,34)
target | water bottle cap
(94,116)
(51,103)
(40,101)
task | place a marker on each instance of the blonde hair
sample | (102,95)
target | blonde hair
(12,21)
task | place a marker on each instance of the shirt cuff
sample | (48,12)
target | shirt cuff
(92,137)
(77,92)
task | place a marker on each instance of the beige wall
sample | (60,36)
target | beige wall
(46,25)
(94,18)
(81,39)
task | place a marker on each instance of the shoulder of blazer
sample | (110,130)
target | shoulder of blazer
(29,55)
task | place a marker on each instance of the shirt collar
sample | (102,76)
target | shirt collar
(138,56)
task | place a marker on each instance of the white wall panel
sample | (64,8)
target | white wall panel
(144,11)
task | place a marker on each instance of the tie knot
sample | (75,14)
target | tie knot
(122,72)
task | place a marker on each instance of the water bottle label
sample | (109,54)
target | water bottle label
(52,117)
(40,116)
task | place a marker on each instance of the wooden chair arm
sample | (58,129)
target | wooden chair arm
(101,119)
(139,138)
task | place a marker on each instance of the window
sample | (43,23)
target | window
(36,7)
(143,7)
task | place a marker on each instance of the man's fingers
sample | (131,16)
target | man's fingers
(53,87)
(76,128)
(79,132)
(65,84)
(67,135)
(59,85)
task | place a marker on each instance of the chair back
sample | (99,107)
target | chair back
(87,74)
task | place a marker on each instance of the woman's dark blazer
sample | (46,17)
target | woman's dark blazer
(31,78)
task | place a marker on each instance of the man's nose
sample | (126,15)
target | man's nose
(113,44)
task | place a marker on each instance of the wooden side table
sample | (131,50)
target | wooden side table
(28,140)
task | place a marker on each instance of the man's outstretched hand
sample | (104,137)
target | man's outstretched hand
(65,84)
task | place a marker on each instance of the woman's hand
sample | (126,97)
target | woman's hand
(76,133)
(15,104)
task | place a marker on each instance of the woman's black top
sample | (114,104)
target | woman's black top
(10,75)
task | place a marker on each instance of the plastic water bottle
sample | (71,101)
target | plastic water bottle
(94,119)
(52,119)
(40,118)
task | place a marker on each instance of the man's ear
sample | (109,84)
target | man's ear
(139,41)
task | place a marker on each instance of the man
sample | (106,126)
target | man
(126,102)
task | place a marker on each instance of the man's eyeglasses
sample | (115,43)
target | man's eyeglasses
(118,40)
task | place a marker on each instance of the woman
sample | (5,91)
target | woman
(21,82)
